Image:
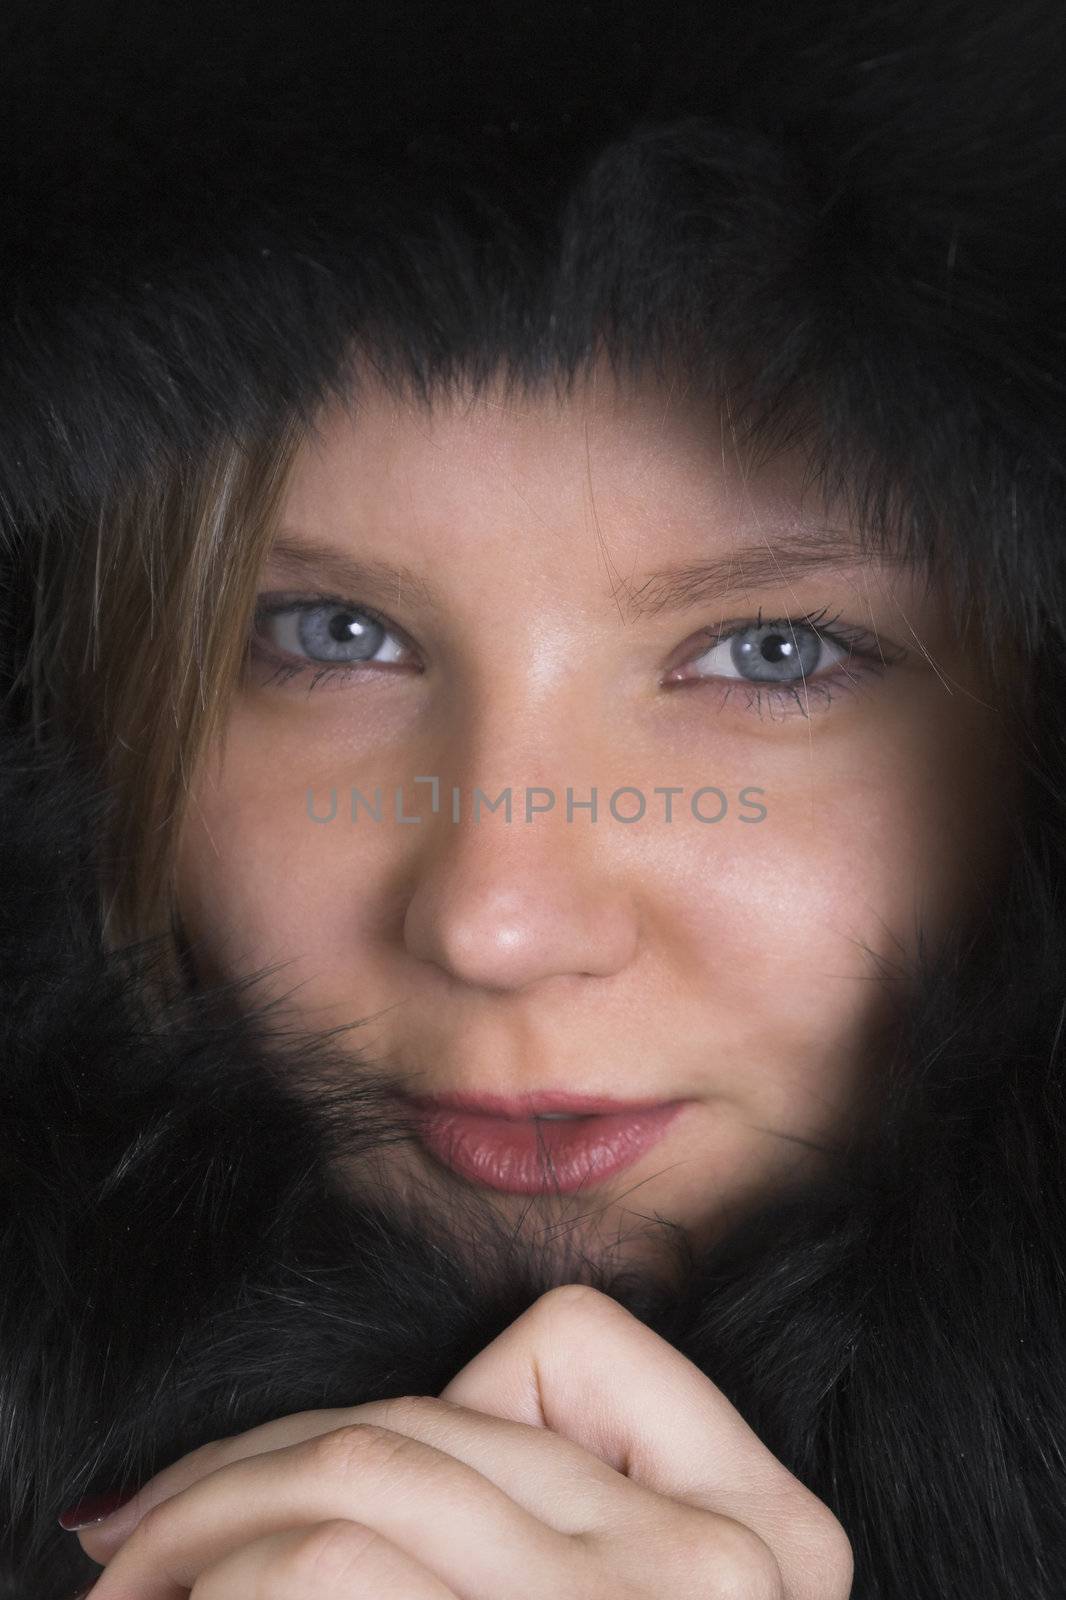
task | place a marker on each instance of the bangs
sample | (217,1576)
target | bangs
(709,262)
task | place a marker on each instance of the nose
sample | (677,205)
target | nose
(502,905)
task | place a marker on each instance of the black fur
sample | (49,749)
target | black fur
(202,207)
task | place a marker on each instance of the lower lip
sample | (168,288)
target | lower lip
(527,1157)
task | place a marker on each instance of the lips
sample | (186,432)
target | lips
(521,1155)
(531,1105)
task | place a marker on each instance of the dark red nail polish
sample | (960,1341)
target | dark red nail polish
(94,1508)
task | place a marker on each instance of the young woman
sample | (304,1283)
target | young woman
(533,949)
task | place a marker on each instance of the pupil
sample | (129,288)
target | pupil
(335,634)
(776,648)
(344,627)
(766,655)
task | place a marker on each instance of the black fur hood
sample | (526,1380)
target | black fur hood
(201,206)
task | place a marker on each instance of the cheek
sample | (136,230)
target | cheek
(259,881)
(773,934)
(803,923)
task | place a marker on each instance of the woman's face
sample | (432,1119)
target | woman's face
(577,596)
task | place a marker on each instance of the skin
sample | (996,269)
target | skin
(754,970)
(528,1477)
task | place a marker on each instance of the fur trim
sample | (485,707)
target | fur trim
(179,1264)
(845,213)
(850,214)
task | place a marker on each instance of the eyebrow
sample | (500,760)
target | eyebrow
(785,552)
(359,577)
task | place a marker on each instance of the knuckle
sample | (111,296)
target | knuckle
(833,1555)
(357,1447)
(410,1410)
(570,1300)
(156,1517)
(152,1531)
(740,1565)
(820,1545)
(191,1470)
(325,1554)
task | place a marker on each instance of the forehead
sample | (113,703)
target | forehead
(640,455)
(644,484)
(639,429)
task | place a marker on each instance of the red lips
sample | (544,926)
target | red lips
(520,1155)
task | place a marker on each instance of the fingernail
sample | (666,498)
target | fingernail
(94,1508)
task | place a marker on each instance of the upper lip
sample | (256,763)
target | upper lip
(521,1107)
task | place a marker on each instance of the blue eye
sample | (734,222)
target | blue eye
(328,633)
(771,652)
(785,665)
(780,662)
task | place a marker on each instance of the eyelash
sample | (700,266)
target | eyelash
(862,647)
(866,653)
(284,671)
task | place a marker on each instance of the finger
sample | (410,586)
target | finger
(459,1524)
(620,1522)
(583,1372)
(580,1364)
(335,1560)
(550,1476)
(575,1363)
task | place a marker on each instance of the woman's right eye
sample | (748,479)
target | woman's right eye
(326,634)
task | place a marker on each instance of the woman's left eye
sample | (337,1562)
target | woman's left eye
(785,660)
(325,636)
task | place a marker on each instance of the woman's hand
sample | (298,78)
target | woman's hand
(578,1456)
